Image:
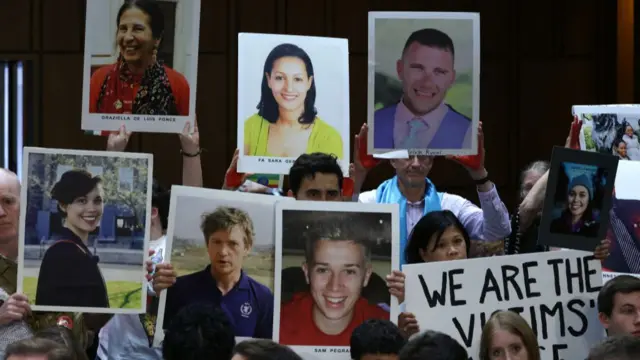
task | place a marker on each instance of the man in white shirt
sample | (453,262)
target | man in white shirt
(124,337)
(416,195)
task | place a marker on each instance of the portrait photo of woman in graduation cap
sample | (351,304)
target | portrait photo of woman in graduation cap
(579,196)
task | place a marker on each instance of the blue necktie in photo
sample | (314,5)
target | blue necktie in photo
(416,126)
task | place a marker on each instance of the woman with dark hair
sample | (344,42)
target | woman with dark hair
(138,83)
(507,335)
(287,124)
(578,217)
(620,149)
(438,236)
(69,273)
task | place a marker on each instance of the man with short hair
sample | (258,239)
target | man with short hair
(622,347)
(14,308)
(199,331)
(316,177)
(9,215)
(422,119)
(337,267)
(38,349)
(619,306)
(228,234)
(376,339)
(433,345)
(261,349)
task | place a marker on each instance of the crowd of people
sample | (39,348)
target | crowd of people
(203,330)
(434,226)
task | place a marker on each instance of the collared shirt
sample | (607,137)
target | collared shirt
(297,326)
(249,302)
(431,122)
(490,222)
(124,337)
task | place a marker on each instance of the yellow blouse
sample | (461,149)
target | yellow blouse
(324,138)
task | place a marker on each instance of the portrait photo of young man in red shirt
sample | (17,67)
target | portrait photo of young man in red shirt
(344,254)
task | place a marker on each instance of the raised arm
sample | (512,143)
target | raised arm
(190,149)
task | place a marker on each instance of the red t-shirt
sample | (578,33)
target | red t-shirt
(298,328)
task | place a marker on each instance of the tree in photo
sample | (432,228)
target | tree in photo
(124,179)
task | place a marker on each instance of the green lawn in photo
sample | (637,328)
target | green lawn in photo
(259,266)
(588,139)
(122,294)
(460,97)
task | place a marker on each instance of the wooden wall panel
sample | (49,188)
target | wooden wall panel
(61,104)
(496,120)
(63,25)
(214,26)
(358,84)
(545,103)
(258,16)
(578,37)
(15,26)
(217,126)
(537,28)
(306,17)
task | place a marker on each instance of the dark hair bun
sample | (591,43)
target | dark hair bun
(74,184)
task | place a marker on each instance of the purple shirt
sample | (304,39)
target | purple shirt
(431,123)
(449,130)
(249,303)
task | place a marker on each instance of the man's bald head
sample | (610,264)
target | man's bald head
(9,210)
(9,176)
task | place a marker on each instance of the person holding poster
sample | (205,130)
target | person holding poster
(508,336)
(69,273)
(138,83)
(438,236)
(287,122)
(417,196)
(337,267)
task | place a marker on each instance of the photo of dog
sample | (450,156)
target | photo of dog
(606,129)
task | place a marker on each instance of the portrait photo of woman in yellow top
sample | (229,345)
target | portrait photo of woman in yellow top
(287,123)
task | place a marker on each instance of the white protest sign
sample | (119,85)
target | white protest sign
(554,291)
(608,275)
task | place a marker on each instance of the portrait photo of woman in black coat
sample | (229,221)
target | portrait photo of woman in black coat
(69,274)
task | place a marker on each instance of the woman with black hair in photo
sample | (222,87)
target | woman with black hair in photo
(287,122)
(69,273)
(579,216)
